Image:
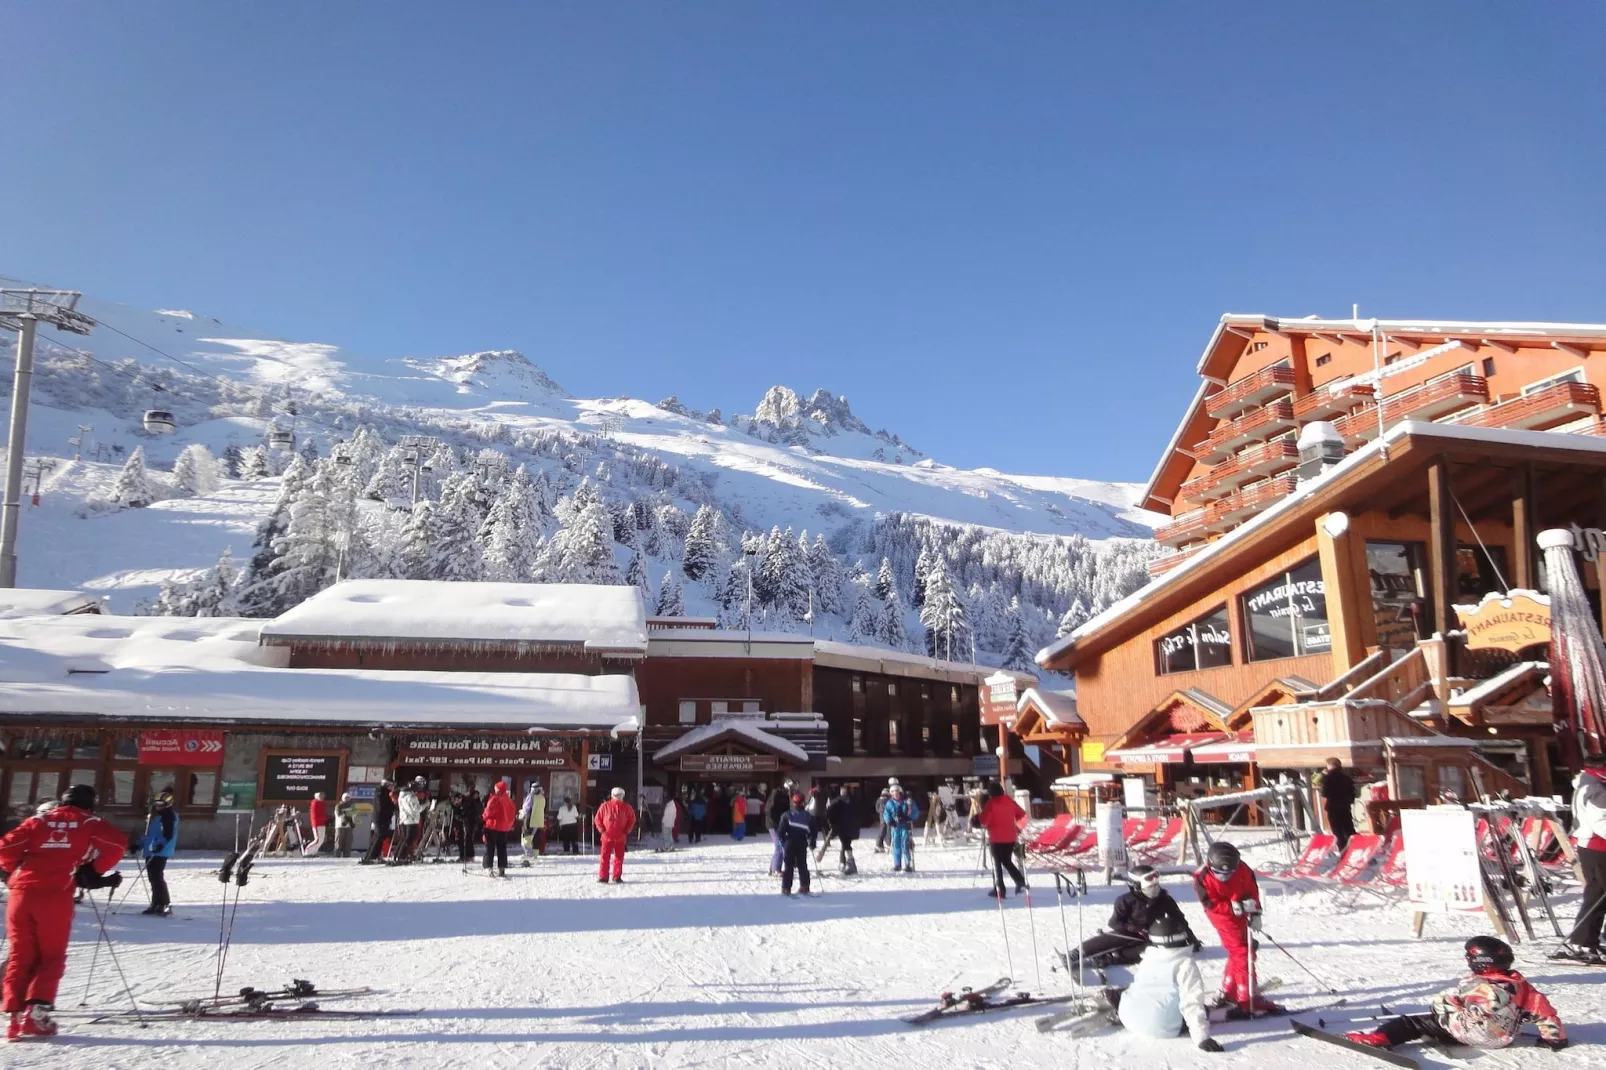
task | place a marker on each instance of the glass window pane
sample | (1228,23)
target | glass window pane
(892,733)
(160,780)
(1201,644)
(21,792)
(47,785)
(688,712)
(85,776)
(1413,785)
(1452,784)
(718,709)
(751,707)
(122,787)
(127,749)
(1479,570)
(1398,571)
(86,748)
(1287,616)
(203,789)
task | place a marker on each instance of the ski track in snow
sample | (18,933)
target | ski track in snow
(697,962)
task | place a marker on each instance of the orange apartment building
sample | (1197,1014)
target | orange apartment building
(1335,488)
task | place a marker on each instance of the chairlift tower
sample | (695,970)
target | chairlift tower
(22,311)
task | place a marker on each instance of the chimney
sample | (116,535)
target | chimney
(1320,448)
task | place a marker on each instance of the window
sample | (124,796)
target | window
(1478,570)
(953,694)
(1488,366)
(86,748)
(1205,643)
(925,734)
(953,732)
(203,788)
(1398,572)
(892,733)
(127,749)
(122,787)
(688,712)
(1324,360)
(1452,782)
(892,687)
(751,706)
(1412,783)
(858,736)
(858,685)
(1287,616)
(1392,358)
(718,709)
(1573,375)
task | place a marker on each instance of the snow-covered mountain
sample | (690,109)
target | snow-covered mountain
(804,462)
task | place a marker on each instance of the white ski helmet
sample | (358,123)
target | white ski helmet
(618,793)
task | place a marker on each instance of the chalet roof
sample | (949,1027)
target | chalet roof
(902,663)
(211,670)
(1524,673)
(38,602)
(601,618)
(747,731)
(1057,707)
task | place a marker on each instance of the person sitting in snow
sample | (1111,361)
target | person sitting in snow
(1486,1010)
(1167,996)
(1135,913)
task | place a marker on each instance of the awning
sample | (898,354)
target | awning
(1169,750)
(1227,751)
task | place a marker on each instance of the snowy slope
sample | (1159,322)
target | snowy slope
(807,463)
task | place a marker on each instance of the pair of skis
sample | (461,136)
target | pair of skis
(993,997)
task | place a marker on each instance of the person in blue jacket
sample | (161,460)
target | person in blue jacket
(794,829)
(161,837)
(900,814)
(698,809)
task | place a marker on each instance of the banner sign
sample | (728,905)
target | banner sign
(1442,871)
(600,763)
(729,763)
(237,795)
(295,776)
(997,695)
(1092,752)
(539,752)
(1508,621)
(181,746)
(1109,819)
(984,765)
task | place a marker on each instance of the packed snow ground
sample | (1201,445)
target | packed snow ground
(697,961)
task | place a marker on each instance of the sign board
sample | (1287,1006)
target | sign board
(181,746)
(1109,819)
(728,763)
(362,792)
(1442,871)
(237,795)
(538,752)
(1092,752)
(1135,792)
(984,765)
(364,774)
(1318,637)
(1508,621)
(997,695)
(293,776)
(600,763)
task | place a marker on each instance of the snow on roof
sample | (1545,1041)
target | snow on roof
(1491,435)
(600,617)
(1058,707)
(1082,780)
(1429,741)
(212,670)
(1485,688)
(719,643)
(36,602)
(902,663)
(708,733)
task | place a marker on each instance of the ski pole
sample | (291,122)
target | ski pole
(1065,932)
(1031,924)
(112,950)
(1003,924)
(1329,988)
(95,958)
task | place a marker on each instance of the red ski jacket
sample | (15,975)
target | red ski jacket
(1002,817)
(1217,895)
(498,815)
(43,852)
(615,819)
(318,813)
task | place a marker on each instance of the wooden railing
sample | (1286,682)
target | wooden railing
(1362,671)
(1397,680)
(1250,389)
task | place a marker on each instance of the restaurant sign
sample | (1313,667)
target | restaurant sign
(998,693)
(1507,622)
(539,752)
(729,763)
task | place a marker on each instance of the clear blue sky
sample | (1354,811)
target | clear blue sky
(1005,231)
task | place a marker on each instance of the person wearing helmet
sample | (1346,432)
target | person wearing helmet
(384,819)
(1166,993)
(794,830)
(47,857)
(157,846)
(613,822)
(900,815)
(1487,1009)
(1136,911)
(411,801)
(1231,897)
(842,816)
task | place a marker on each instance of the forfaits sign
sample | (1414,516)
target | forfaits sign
(1507,622)
(536,752)
(729,763)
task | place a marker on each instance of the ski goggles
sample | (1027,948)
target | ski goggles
(1220,874)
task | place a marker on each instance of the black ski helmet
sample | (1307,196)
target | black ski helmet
(79,795)
(1488,952)
(1222,855)
(1145,880)
(1168,932)
(994,789)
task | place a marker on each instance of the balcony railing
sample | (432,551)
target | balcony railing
(1231,474)
(1251,390)
(1159,566)
(1559,403)
(1256,426)
(1327,402)
(1184,528)
(1439,397)
(1240,505)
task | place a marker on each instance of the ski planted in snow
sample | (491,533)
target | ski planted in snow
(1383,1054)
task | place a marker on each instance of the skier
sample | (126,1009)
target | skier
(697,809)
(1003,819)
(1338,799)
(1167,992)
(157,846)
(739,815)
(1135,913)
(533,814)
(569,827)
(775,808)
(410,803)
(816,809)
(472,829)
(794,830)
(1230,896)
(613,822)
(497,818)
(42,858)
(843,818)
(1589,832)
(384,818)
(880,809)
(671,817)
(345,824)
(900,814)
(318,818)
(1487,1009)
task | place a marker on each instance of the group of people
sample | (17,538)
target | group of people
(405,816)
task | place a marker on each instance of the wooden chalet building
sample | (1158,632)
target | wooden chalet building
(1335,489)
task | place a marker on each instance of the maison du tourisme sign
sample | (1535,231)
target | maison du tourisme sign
(541,753)
(1509,621)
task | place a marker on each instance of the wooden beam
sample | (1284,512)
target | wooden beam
(1577,351)
(1441,546)
(1349,591)
(1504,347)
(1522,528)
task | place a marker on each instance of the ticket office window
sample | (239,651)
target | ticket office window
(35,768)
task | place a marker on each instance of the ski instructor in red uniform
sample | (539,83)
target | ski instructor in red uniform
(41,858)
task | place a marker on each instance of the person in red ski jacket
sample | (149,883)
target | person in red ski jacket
(613,822)
(497,817)
(42,858)
(318,818)
(1003,819)
(1230,896)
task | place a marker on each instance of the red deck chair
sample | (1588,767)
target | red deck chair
(1085,841)
(1357,858)
(1151,850)
(1051,835)
(1142,832)
(1393,870)
(1311,860)
(1063,842)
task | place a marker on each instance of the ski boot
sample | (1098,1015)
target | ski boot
(34,1022)
(1589,956)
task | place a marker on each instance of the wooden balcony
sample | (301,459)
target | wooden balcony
(1233,473)
(1195,525)
(1436,398)
(1359,426)
(1559,403)
(1256,426)
(1327,402)
(1242,504)
(1250,391)
(1161,565)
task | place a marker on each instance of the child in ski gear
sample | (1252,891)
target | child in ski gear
(1589,833)
(318,818)
(1136,911)
(1166,994)
(1487,1009)
(613,822)
(569,827)
(43,856)
(345,824)
(1230,895)
(156,847)
(843,818)
(739,816)
(1003,819)
(384,820)
(794,833)
(900,815)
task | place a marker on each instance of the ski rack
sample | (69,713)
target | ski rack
(1283,803)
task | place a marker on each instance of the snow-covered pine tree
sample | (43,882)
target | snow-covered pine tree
(943,615)
(391,478)
(733,590)
(417,557)
(254,463)
(195,471)
(671,597)
(173,599)
(917,597)
(309,450)
(364,452)
(884,583)
(510,536)
(1017,644)
(456,554)
(306,555)
(254,593)
(231,461)
(702,548)
(794,580)
(133,488)
(827,575)
(636,575)
(210,595)
(894,632)
(864,624)
(1074,618)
